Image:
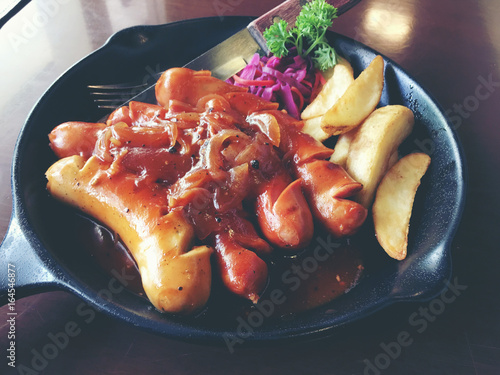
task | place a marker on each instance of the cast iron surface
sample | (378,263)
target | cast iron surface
(43,237)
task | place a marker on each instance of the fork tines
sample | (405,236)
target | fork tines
(113,95)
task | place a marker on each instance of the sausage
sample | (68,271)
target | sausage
(242,271)
(175,277)
(283,214)
(327,185)
(188,86)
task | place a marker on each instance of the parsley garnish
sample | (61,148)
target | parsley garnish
(308,35)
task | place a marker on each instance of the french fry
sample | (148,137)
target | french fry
(358,101)
(393,203)
(376,140)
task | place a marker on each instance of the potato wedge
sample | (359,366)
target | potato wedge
(393,203)
(341,77)
(341,150)
(358,101)
(393,159)
(376,140)
(338,79)
(344,144)
(312,127)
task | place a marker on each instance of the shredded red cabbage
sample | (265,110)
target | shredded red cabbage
(291,81)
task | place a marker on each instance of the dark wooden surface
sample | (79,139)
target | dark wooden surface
(451,47)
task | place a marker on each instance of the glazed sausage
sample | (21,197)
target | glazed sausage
(175,277)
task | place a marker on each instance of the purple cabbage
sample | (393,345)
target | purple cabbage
(288,74)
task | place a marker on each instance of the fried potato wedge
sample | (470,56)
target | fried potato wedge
(376,140)
(341,150)
(393,159)
(338,79)
(358,101)
(312,126)
(175,277)
(344,144)
(393,203)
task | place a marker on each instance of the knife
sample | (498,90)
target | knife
(230,56)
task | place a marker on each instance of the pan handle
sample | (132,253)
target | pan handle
(10,12)
(23,271)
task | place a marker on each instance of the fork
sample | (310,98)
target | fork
(111,96)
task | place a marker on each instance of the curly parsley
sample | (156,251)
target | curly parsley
(308,35)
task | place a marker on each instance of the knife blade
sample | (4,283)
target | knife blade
(230,56)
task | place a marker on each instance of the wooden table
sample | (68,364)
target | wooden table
(451,47)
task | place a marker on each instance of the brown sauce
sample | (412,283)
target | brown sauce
(324,271)
(314,278)
(109,252)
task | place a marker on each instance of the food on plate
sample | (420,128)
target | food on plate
(312,127)
(357,102)
(337,80)
(220,174)
(375,141)
(308,36)
(292,75)
(338,105)
(393,159)
(393,203)
(212,169)
(367,142)
(175,275)
(342,147)
(340,78)
(291,81)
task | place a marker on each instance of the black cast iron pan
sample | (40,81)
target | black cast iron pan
(44,240)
